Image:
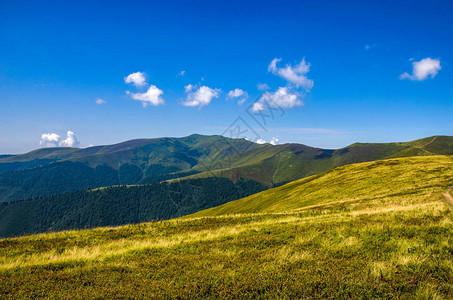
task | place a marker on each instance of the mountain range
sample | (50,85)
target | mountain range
(48,171)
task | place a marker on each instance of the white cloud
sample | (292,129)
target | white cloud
(274,141)
(137,79)
(273,65)
(295,75)
(236,93)
(239,94)
(282,98)
(261,141)
(100,101)
(423,69)
(70,141)
(262,86)
(189,88)
(201,96)
(151,97)
(54,140)
(257,106)
(49,139)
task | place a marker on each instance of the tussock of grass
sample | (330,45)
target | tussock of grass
(367,238)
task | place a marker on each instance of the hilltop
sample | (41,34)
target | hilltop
(370,230)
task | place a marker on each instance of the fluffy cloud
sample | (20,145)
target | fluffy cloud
(100,101)
(151,97)
(274,141)
(54,140)
(262,86)
(199,97)
(49,139)
(282,98)
(70,141)
(273,65)
(239,94)
(423,69)
(236,93)
(295,75)
(137,79)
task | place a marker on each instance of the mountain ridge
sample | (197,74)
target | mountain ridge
(144,161)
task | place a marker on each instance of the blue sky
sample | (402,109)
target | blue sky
(339,81)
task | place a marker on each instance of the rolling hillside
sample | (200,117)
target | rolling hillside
(49,171)
(288,162)
(362,185)
(379,229)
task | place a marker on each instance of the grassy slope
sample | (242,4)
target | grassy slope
(372,230)
(351,184)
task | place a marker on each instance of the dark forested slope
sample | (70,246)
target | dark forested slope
(119,205)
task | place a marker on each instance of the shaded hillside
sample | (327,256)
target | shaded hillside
(119,205)
(54,178)
(377,230)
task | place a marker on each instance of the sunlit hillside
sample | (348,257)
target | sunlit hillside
(378,184)
(372,230)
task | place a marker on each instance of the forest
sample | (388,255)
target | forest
(119,205)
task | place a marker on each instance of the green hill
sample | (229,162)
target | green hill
(182,153)
(49,171)
(376,230)
(388,182)
(279,164)
(55,170)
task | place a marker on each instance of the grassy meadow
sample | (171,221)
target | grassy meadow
(372,230)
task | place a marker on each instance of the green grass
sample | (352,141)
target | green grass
(370,230)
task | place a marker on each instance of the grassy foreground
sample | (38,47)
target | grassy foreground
(372,230)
